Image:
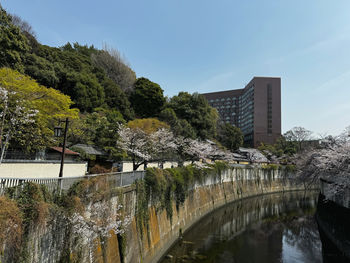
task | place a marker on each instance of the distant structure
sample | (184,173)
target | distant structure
(255,109)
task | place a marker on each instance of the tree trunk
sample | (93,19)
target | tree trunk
(3,147)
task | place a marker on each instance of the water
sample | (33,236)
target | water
(270,228)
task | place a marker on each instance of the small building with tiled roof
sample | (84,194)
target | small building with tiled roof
(54,153)
(94,155)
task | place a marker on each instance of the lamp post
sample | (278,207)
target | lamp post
(58,133)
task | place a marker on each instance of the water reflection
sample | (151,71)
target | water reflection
(271,228)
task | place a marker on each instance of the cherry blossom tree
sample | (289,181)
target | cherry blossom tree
(99,221)
(136,143)
(163,144)
(145,147)
(15,116)
(195,150)
(331,163)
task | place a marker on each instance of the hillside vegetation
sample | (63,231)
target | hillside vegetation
(101,86)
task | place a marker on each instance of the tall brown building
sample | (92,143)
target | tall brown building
(256,109)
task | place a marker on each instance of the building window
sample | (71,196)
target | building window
(269,109)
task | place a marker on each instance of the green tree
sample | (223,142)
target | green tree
(117,99)
(281,147)
(14,45)
(197,112)
(26,99)
(76,70)
(148,125)
(230,136)
(179,127)
(99,128)
(147,98)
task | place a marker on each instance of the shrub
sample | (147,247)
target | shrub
(98,169)
(10,223)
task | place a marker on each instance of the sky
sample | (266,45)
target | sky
(206,46)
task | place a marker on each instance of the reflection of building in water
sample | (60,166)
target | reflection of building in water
(255,109)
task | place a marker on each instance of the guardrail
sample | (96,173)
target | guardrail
(63,184)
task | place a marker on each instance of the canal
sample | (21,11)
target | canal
(271,228)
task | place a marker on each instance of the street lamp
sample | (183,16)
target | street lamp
(58,133)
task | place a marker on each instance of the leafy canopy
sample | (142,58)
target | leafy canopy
(230,136)
(14,45)
(197,112)
(49,105)
(147,98)
(148,126)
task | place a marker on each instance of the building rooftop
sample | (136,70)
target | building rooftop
(90,149)
(66,151)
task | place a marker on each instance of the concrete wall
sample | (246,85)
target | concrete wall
(41,169)
(234,185)
(64,236)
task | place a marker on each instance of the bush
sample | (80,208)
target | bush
(10,223)
(98,169)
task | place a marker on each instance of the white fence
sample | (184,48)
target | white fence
(54,184)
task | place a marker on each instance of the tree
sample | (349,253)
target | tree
(135,143)
(25,27)
(15,115)
(14,45)
(117,99)
(195,150)
(25,102)
(331,163)
(179,127)
(164,144)
(149,125)
(146,140)
(72,69)
(197,112)
(230,136)
(115,67)
(99,128)
(282,148)
(299,135)
(147,98)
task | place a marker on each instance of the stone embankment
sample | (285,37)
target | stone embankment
(333,213)
(121,227)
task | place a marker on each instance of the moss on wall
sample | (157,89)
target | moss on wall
(159,206)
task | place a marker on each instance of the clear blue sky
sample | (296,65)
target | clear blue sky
(206,45)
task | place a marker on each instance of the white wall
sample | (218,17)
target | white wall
(127,166)
(41,169)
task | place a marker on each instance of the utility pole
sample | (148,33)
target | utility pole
(63,148)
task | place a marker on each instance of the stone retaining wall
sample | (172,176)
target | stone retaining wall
(62,239)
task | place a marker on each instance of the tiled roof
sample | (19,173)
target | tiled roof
(66,151)
(90,149)
(253,155)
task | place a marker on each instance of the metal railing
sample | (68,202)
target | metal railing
(63,184)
